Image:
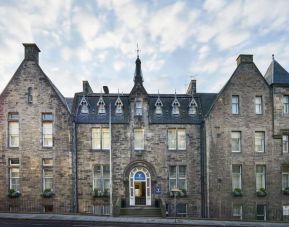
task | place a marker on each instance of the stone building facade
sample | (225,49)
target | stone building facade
(210,155)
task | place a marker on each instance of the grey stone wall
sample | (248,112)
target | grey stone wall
(247,82)
(30,151)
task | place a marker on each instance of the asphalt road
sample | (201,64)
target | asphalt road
(52,223)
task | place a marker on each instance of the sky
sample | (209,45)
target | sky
(96,40)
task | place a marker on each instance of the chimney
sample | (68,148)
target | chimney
(31,52)
(244,58)
(86,88)
(192,89)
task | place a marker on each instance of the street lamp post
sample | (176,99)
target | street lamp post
(175,191)
(106,91)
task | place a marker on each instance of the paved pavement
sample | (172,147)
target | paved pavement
(141,220)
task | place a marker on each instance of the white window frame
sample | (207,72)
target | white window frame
(285,210)
(14,166)
(47,129)
(102,142)
(139,138)
(177,177)
(176,134)
(285,177)
(138,107)
(264,214)
(262,176)
(13,130)
(47,166)
(258,105)
(100,179)
(118,106)
(235,104)
(285,143)
(236,135)
(239,208)
(237,175)
(260,137)
(286,104)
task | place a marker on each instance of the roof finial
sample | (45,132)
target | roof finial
(273,58)
(137,50)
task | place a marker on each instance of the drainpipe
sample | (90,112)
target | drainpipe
(203,166)
(74,169)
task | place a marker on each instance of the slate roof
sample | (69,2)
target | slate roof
(203,100)
(69,102)
(276,74)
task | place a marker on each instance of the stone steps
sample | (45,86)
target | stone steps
(141,212)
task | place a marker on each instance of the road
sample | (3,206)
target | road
(53,223)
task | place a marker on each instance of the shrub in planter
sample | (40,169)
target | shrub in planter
(12,193)
(237,192)
(286,191)
(97,193)
(261,192)
(48,193)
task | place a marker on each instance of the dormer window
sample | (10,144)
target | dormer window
(29,95)
(176,105)
(159,106)
(84,106)
(101,106)
(118,106)
(193,107)
(138,107)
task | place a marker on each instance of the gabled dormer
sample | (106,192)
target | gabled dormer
(159,106)
(84,106)
(193,107)
(118,106)
(101,105)
(176,106)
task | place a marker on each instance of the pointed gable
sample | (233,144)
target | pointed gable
(118,106)
(101,105)
(276,74)
(193,107)
(158,106)
(84,106)
(175,106)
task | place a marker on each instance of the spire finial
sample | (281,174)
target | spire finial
(273,57)
(137,50)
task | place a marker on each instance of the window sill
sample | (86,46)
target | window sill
(47,147)
(177,150)
(99,150)
(13,148)
(236,152)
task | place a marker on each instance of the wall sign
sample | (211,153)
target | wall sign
(139,176)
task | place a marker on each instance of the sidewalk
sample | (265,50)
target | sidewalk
(142,220)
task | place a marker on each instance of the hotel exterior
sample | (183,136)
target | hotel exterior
(221,155)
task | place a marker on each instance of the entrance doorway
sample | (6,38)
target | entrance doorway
(139,187)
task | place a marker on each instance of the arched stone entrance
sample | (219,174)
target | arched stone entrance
(140,176)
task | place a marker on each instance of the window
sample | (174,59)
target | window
(101,178)
(177,139)
(100,138)
(178,177)
(285,177)
(101,106)
(14,174)
(235,104)
(47,174)
(193,107)
(259,141)
(13,129)
(236,176)
(175,106)
(118,106)
(286,104)
(29,95)
(285,143)
(285,210)
(47,130)
(260,177)
(236,141)
(261,212)
(158,106)
(84,106)
(237,211)
(138,107)
(139,139)
(181,210)
(258,104)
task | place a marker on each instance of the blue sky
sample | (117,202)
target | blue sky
(179,40)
